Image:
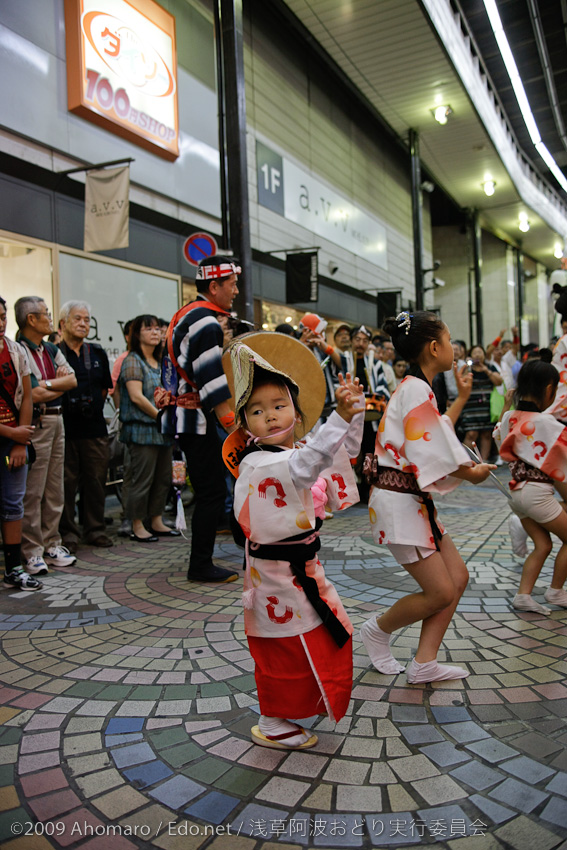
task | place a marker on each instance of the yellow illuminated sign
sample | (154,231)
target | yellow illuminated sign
(122,70)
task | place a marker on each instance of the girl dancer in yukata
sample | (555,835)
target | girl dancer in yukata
(534,443)
(298,631)
(418,453)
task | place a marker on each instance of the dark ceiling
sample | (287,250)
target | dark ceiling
(537,33)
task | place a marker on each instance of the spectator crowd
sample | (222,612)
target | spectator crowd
(171,394)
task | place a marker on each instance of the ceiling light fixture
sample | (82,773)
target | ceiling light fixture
(441,113)
(520,92)
(523,222)
(489,187)
(558,251)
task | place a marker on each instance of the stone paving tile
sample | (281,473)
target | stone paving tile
(391,829)
(284,792)
(129,756)
(491,750)
(352,773)
(537,745)
(524,834)
(494,811)
(477,775)
(441,820)
(95,783)
(47,807)
(556,813)
(253,813)
(302,764)
(213,808)
(527,769)
(518,794)
(362,748)
(445,754)
(177,792)
(466,732)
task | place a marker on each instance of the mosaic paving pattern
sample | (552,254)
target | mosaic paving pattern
(128,695)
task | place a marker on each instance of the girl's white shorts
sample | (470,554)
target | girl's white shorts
(536,501)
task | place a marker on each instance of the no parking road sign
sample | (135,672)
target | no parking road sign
(198,246)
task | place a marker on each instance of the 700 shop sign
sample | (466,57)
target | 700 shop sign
(108,98)
(301,198)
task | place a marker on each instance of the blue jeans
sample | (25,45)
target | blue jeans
(12,487)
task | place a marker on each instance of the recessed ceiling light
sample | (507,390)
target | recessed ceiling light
(441,113)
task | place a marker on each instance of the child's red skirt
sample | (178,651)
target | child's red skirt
(302,675)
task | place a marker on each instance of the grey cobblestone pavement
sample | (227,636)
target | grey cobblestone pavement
(127,696)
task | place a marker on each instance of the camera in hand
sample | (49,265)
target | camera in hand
(81,406)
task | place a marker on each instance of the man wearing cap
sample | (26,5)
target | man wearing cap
(194,346)
(341,337)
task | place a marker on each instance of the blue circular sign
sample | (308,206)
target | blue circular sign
(199,246)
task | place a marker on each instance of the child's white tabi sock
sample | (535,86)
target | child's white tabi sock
(526,602)
(377,645)
(556,596)
(273,726)
(431,671)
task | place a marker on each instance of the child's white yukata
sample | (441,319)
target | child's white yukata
(300,669)
(535,446)
(416,451)
(558,407)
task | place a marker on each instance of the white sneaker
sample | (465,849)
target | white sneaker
(36,566)
(59,556)
(518,536)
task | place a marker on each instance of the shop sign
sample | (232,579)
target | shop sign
(122,70)
(299,197)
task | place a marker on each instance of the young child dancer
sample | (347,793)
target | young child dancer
(298,631)
(417,453)
(535,445)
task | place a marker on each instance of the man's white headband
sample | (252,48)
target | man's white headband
(215,272)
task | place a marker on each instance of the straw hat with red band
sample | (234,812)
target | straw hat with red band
(284,356)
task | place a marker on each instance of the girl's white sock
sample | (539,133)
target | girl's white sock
(526,602)
(556,596)
(377,645)
(271,726)
(431,671)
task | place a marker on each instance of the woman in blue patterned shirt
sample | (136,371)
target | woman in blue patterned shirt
(150,451)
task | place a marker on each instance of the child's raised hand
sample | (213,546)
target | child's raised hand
(350,397)
(464,380)
(352,384)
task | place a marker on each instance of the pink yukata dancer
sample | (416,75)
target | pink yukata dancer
(417,454)
(534,443)
(299,634)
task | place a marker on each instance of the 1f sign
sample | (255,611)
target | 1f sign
(270,178)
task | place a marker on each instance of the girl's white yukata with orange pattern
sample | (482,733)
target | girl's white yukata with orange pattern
(414,437)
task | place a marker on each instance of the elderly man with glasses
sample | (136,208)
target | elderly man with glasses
(86,435)
(51,377)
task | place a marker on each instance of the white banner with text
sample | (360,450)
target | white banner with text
(106,209)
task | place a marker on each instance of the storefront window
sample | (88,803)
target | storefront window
(276,314)
(115,294)
(25,269)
